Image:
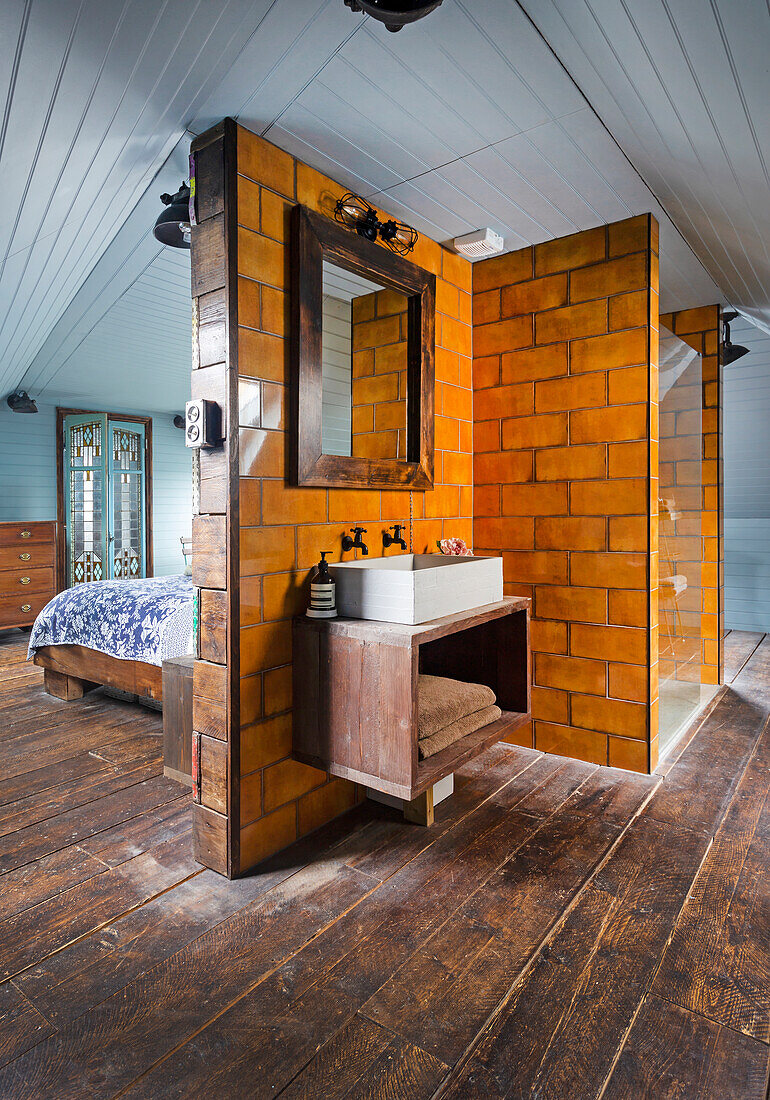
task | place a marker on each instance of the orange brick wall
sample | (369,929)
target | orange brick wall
(565,477)
(701,329)
(379,375)
(283,528)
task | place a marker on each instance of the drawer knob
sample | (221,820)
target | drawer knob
(26,608)
(26,534)
(25,580)
(24,557)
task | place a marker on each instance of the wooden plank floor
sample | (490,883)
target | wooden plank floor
(563,930)
(739,646)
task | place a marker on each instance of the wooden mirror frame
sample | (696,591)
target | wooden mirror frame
(316,238)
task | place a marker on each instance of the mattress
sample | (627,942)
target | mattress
(147,620)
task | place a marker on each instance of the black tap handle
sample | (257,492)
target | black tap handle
(348,543)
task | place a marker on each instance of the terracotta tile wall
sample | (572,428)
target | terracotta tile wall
(700,328)
(379,375)
(283,528)
(565,477)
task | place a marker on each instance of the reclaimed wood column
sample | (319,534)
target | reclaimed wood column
(216,674)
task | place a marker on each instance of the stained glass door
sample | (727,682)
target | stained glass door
(105,494)
(126,491)
(85,497)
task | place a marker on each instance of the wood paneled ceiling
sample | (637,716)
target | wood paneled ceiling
(684,87)
(465,119)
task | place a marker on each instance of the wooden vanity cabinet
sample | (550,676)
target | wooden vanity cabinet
(356,683)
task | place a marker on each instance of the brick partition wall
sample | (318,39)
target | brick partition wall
(701,329)
(283,528)
(379,392)
(565,477)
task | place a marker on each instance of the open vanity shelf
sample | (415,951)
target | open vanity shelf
(356,683)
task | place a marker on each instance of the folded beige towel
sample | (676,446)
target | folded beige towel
(441,701)
(461,728)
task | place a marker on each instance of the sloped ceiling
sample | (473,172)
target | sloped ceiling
(136,357)
(462,120)
(97,94)
(684,87)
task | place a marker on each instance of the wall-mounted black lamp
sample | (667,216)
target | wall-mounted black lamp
(21,402)
(730,351)
(180,422)
(395,13)
(356,213)
(172,226)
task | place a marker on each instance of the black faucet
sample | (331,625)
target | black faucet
(357,543)
(396,537)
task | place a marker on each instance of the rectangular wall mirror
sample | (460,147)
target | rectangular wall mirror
(363,360)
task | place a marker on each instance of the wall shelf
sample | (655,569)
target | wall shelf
(356,683)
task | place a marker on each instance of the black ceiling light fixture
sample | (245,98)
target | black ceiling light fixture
(21,402)
(172,226)
(356,213)
(395,14)
(730,351)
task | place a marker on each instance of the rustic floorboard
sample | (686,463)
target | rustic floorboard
(672,1054)
(718,961)
(739,646)
(562,930)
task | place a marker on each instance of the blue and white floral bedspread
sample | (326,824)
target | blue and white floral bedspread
(146,620)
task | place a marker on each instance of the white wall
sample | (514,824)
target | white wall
(28,478)
(171,495)
(336,378)
(747,482)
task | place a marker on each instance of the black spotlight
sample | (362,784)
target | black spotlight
(395,13)
(179,422)
(21,402)
(730,351)
(172,226)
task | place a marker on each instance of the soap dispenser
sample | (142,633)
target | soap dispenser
(322,601)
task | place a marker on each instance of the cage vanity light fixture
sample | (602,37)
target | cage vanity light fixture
(395,14)
(356,213)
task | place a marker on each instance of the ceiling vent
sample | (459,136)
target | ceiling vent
(480,243)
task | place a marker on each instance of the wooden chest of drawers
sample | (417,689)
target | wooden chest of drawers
(27,571)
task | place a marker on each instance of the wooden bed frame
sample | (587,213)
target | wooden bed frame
(72,670)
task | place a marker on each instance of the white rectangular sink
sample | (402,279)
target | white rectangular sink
(415,588)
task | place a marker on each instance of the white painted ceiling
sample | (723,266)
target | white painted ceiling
(345,285)
(684,87)
(137,356)
(461,120)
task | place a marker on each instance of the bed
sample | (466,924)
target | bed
(113,633)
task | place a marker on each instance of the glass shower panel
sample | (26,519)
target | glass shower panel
(680,596)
